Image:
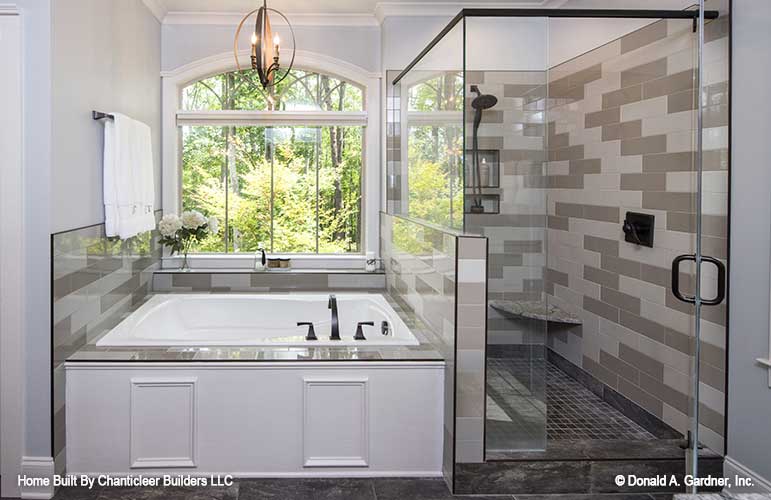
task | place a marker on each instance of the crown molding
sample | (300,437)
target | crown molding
(233,18)
(449,9)
(8,9)
(382,10)
(157,7)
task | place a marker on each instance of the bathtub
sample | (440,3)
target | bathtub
(257,320)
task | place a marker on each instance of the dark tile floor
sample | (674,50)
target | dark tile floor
(319,489)
(517,416)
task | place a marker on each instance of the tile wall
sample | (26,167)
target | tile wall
(168,281)
(95,281)
(441,277)
(515,127)
(621,138)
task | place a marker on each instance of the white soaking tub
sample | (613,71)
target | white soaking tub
(257,320)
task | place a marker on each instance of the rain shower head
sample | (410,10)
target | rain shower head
(482,101)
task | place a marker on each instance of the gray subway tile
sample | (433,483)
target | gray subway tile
(602,245)
(642,398)
(559,223)
(647,327)
(681,101)
(554,276)
(621,96)
(600,308)
(603,117)
(621,131)
(569,153)
(644,182)
(523,246)
(604,374)
(644,36)
(601,277)
(671,84)
(621,300)
(677,202)
(565,181)
(644,145)
(644,363)
(619,265)
(195,281)
(587,166)
(644,72)
(712,225)
(667,394)
(668,162)
(619,366)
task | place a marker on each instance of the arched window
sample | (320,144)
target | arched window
(280,167)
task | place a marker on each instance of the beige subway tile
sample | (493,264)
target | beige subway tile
(644,109)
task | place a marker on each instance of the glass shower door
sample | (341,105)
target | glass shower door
(505,200)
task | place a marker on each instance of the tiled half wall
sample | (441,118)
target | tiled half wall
(441,276)
(96,280)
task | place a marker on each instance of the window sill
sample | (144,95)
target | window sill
(245,263)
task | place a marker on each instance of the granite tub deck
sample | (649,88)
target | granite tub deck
(425,351)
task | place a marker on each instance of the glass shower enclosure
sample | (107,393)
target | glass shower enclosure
(578,142)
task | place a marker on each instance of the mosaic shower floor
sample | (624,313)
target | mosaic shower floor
(518,418)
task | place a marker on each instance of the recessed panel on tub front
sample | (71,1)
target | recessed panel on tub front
(163,423)
(336,422)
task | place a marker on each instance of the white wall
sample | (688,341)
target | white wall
(359,45)
(106,57)
(749,395)
(36,29)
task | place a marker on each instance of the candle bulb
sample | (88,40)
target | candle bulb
(254,44)
(276,42)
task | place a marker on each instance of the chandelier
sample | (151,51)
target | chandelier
(265,53)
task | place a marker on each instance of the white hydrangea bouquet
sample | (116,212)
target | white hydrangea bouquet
(178,233)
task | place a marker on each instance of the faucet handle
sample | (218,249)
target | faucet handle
(311,332)
(360,332)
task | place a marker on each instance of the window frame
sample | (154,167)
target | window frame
(174,117)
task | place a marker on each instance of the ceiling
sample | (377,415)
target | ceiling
(333,6)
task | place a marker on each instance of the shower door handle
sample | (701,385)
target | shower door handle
(721,274)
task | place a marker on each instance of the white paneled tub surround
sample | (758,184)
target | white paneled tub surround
(257,320)
(255,419)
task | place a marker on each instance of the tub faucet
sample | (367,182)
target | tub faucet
(335,323)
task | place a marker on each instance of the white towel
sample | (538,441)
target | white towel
(129,186)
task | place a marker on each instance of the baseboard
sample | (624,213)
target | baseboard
(733,468)
(38,468)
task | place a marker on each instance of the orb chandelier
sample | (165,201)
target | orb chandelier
(265,54)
